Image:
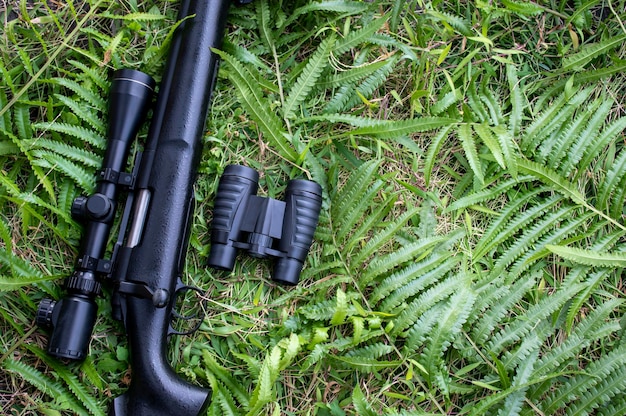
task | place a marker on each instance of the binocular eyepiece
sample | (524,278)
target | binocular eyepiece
(71,320)
(263,227)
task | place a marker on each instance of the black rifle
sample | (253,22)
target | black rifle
(149,256)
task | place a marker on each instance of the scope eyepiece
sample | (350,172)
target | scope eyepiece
(263,227)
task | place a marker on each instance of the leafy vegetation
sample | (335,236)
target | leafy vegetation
(470,249)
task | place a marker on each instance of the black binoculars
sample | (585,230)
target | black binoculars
(72,319)
(263,227)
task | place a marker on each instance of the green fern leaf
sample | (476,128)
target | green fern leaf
(426,300)
(469,146)
(253,101)
(385,235)
(524,323)
(86,94)
(585,139)
(578,60)
(391,129)
(360,36)
(493,316)
(511,220)
(352,76)
(52,388)
(433,152)
(599,145)
(75,386)
(552,178)
(384,263)
(517,101)
(54,161)
(460,24)
(410,275)
(84,156)
(486,194)
(594,326)
(514,401)
(86,114)
(422,276)
(604,376)
(442,335)
(263,23)
(79,132)
(589,257)
(486,135)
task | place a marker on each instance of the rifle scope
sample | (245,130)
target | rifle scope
(71,320)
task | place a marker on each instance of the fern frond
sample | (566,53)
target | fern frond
(448,326)
(552,178)
(86,114)
(578,60)
(351,215)
(433,152)
(384,263)
(554,148)
(599,144)
(50,387)
(594,326)
(518,103)
(352,76)
(79,132)
(486,194)
(355,186)
(514,401)
(585,139)
(421,275)
(416,336)
(602,378)
(391,129)
(524,323)
(552,118)
(408,276)
(569,228)
(589,257)
(84,156)
(460,24)
(85,93)
(254,103)
(493,316)
(349,95)
(427,300)
(76,387)
(512,219)
(380,238)
(360,36)
(471,153)
(57,162)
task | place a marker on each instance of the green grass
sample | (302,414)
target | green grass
(469,255)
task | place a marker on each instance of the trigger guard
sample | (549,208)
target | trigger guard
(181,288)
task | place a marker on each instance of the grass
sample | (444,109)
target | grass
(469,255)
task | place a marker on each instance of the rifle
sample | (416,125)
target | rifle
(149,254)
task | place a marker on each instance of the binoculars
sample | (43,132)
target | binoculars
(72,318)
(263,227)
